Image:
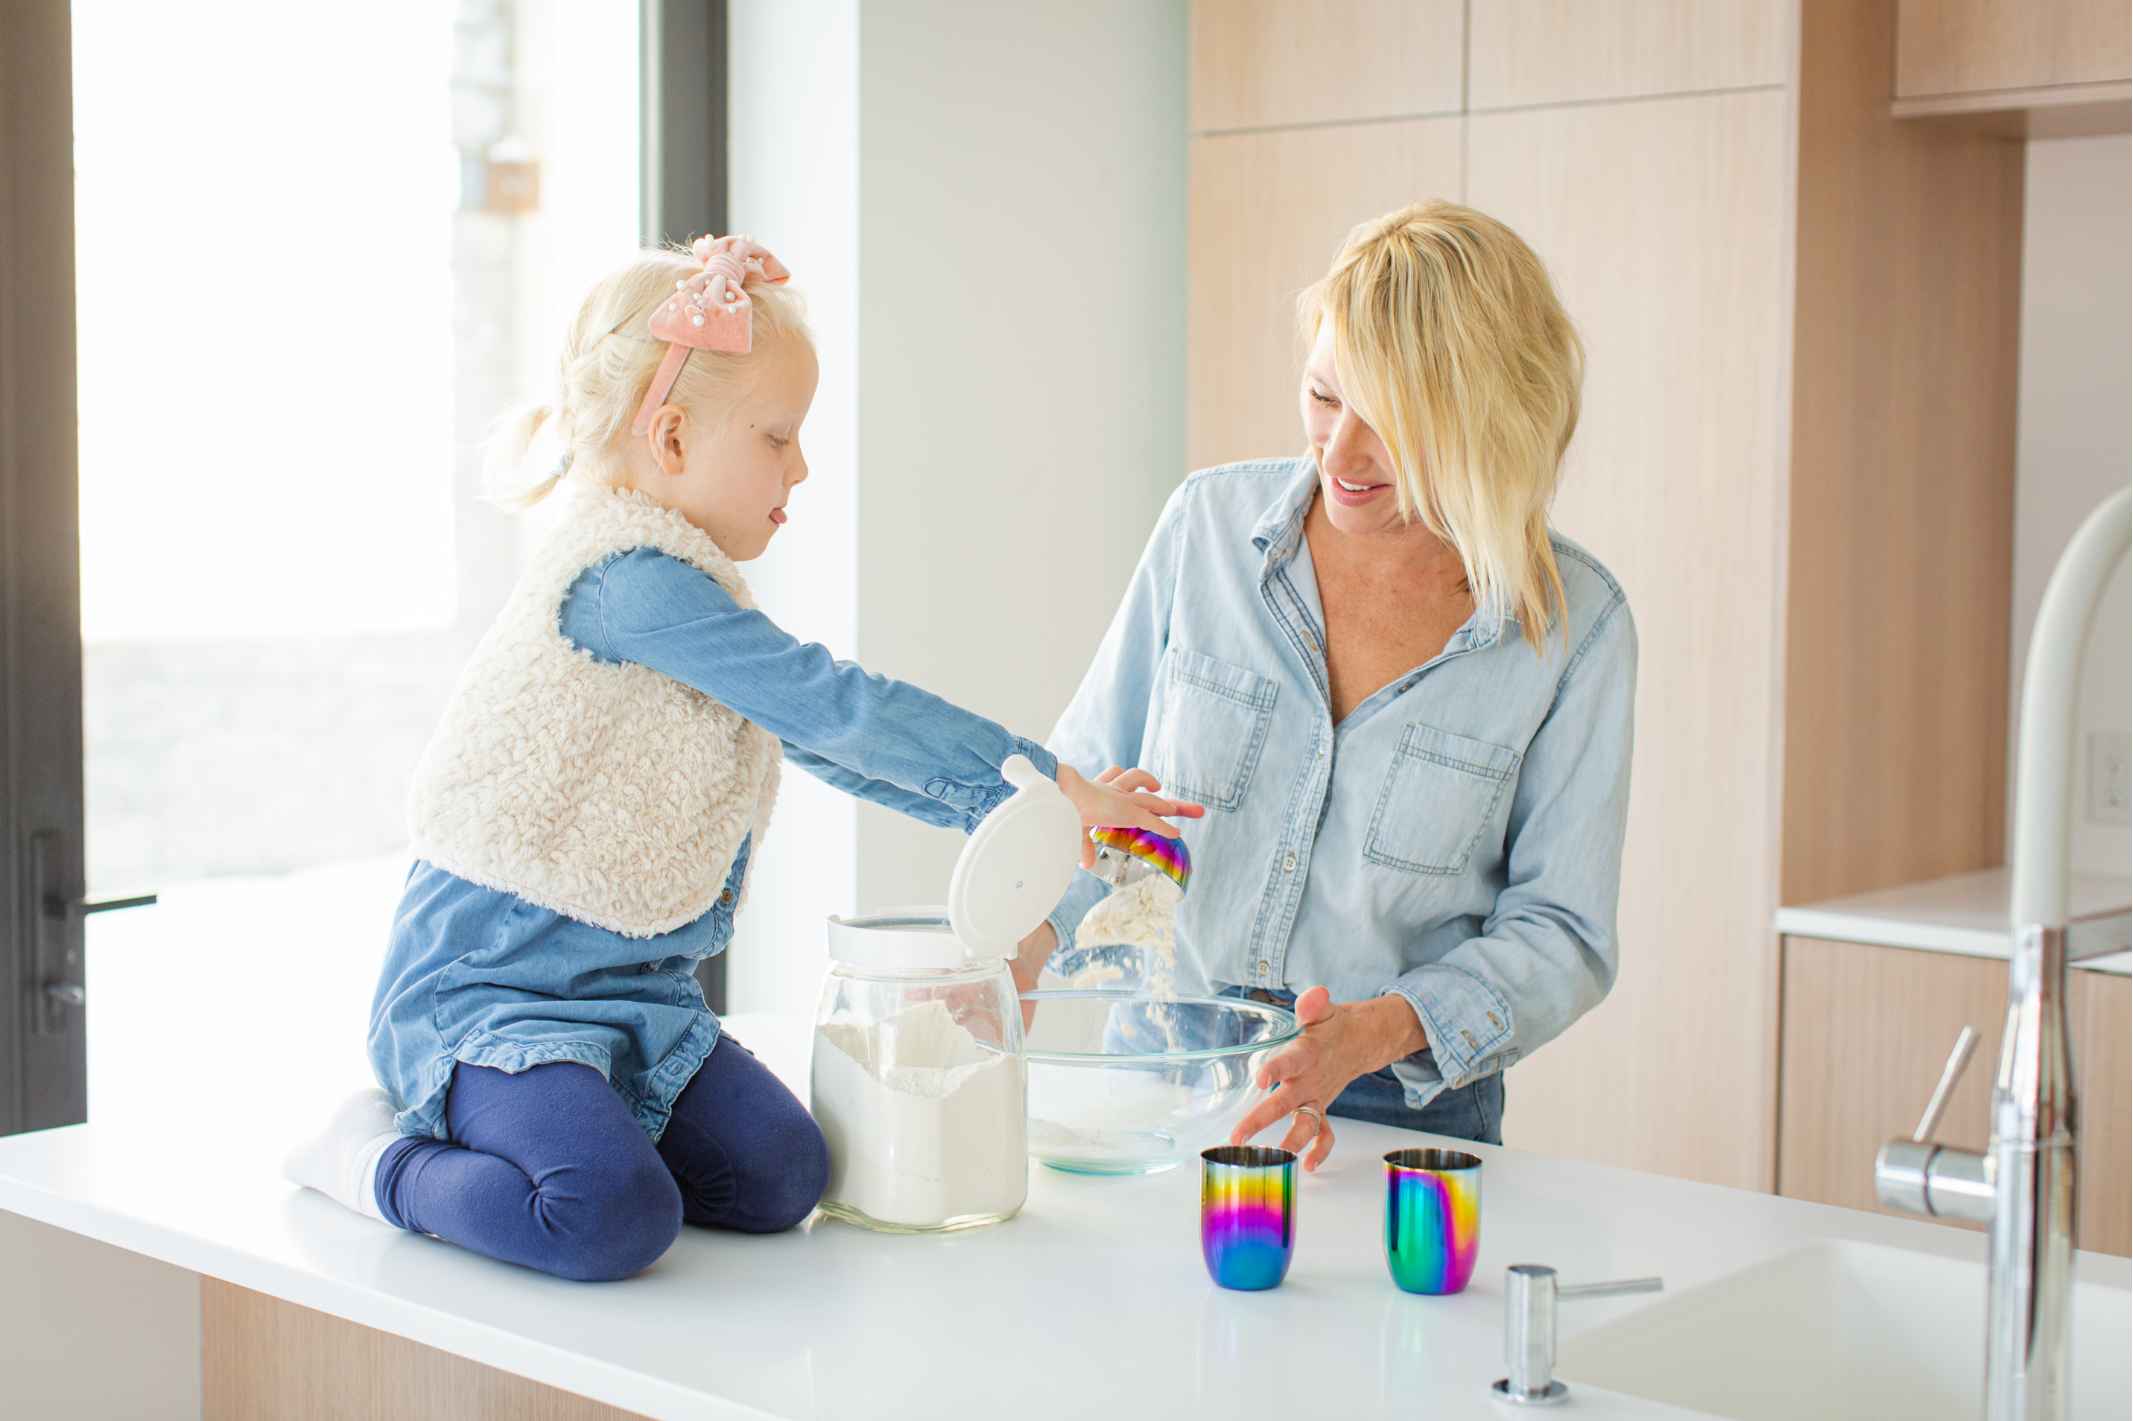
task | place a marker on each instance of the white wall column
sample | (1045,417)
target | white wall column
(985,208)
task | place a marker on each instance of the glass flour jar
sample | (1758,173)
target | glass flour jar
(918,1078)
(919,1082)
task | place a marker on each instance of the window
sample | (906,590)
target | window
(308,282)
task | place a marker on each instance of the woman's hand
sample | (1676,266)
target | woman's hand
(1338,1044)
(1125,798)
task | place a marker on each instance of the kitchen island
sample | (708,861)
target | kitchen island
(1092,1303)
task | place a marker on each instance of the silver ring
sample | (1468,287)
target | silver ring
(1317,1115)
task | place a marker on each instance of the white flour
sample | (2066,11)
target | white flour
(925,1125)
(1142,915)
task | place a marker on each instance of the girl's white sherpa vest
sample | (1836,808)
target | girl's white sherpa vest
(610,793)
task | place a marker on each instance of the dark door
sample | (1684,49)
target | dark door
(43,1080)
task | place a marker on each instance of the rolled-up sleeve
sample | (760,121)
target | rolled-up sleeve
(1548,952)
(883,734)
(1106,723)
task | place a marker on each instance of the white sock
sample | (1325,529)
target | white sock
(342,1162)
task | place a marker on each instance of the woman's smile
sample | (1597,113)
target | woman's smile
(1353,494)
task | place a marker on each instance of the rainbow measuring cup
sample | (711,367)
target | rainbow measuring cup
(1432,1219)
(1247,1215)
(1125,856)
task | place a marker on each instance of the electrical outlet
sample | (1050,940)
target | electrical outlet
(2110,776)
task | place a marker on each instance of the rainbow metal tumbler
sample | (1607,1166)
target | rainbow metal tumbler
(1247,1215)
(1432,1218)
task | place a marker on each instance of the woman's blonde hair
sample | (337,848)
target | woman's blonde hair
(609,357)
(1449,341)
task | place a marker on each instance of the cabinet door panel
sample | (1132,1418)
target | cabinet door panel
(1268,214)
(1970,46)
(1527,52)
(1263,63)
(2102,1009)
(1663,226)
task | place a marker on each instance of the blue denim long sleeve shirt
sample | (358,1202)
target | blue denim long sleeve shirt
(1456,840)
(878,738)
(476,975)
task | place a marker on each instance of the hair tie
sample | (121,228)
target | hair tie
(708,311)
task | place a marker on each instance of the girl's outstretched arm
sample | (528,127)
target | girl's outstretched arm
(881,792)
(655,610)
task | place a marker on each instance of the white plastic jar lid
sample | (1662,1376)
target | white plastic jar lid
(1012,871)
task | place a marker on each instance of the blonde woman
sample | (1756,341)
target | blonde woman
(1404,700)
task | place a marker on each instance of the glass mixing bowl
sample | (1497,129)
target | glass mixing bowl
(1124,1083)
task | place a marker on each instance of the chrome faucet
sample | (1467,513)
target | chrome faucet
(2022,1186)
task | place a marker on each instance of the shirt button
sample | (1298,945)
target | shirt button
(1288,863)
(726,897)
(1265,967)
(1321,749)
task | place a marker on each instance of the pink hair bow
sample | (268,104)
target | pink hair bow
(708,311)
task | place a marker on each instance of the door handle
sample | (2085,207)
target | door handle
(58,907)
(56,964)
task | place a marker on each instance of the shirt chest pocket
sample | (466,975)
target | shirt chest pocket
(1211,722)
(1441,793)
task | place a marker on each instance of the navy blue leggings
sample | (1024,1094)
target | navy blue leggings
(548,1168)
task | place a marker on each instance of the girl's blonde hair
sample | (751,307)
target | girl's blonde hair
(1449,341)
(609,357)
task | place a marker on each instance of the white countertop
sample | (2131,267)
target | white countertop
(1093,1302)
(1965,914)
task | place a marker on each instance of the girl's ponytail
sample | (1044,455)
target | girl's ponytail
(504,458)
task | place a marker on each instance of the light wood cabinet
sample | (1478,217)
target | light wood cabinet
(2019,68)
(1258,223)
(1796,452)
(1866,1030)
(1270,63)
(1652,217)
(1529,52)
(265,1358)
(1974,46)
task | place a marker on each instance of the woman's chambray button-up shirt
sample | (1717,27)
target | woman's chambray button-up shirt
(1457,839)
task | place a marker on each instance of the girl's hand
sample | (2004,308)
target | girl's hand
(1338,1044)
(1122,798)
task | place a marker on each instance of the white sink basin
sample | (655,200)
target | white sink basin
(1839,1329)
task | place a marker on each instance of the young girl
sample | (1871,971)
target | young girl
(556,1093)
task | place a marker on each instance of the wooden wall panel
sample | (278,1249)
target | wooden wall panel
(263,1359)
(1902,486)
(1663,225)
(1966,46)
(1866,1032)
(1263,63)
(1526,52)
(1268,214)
